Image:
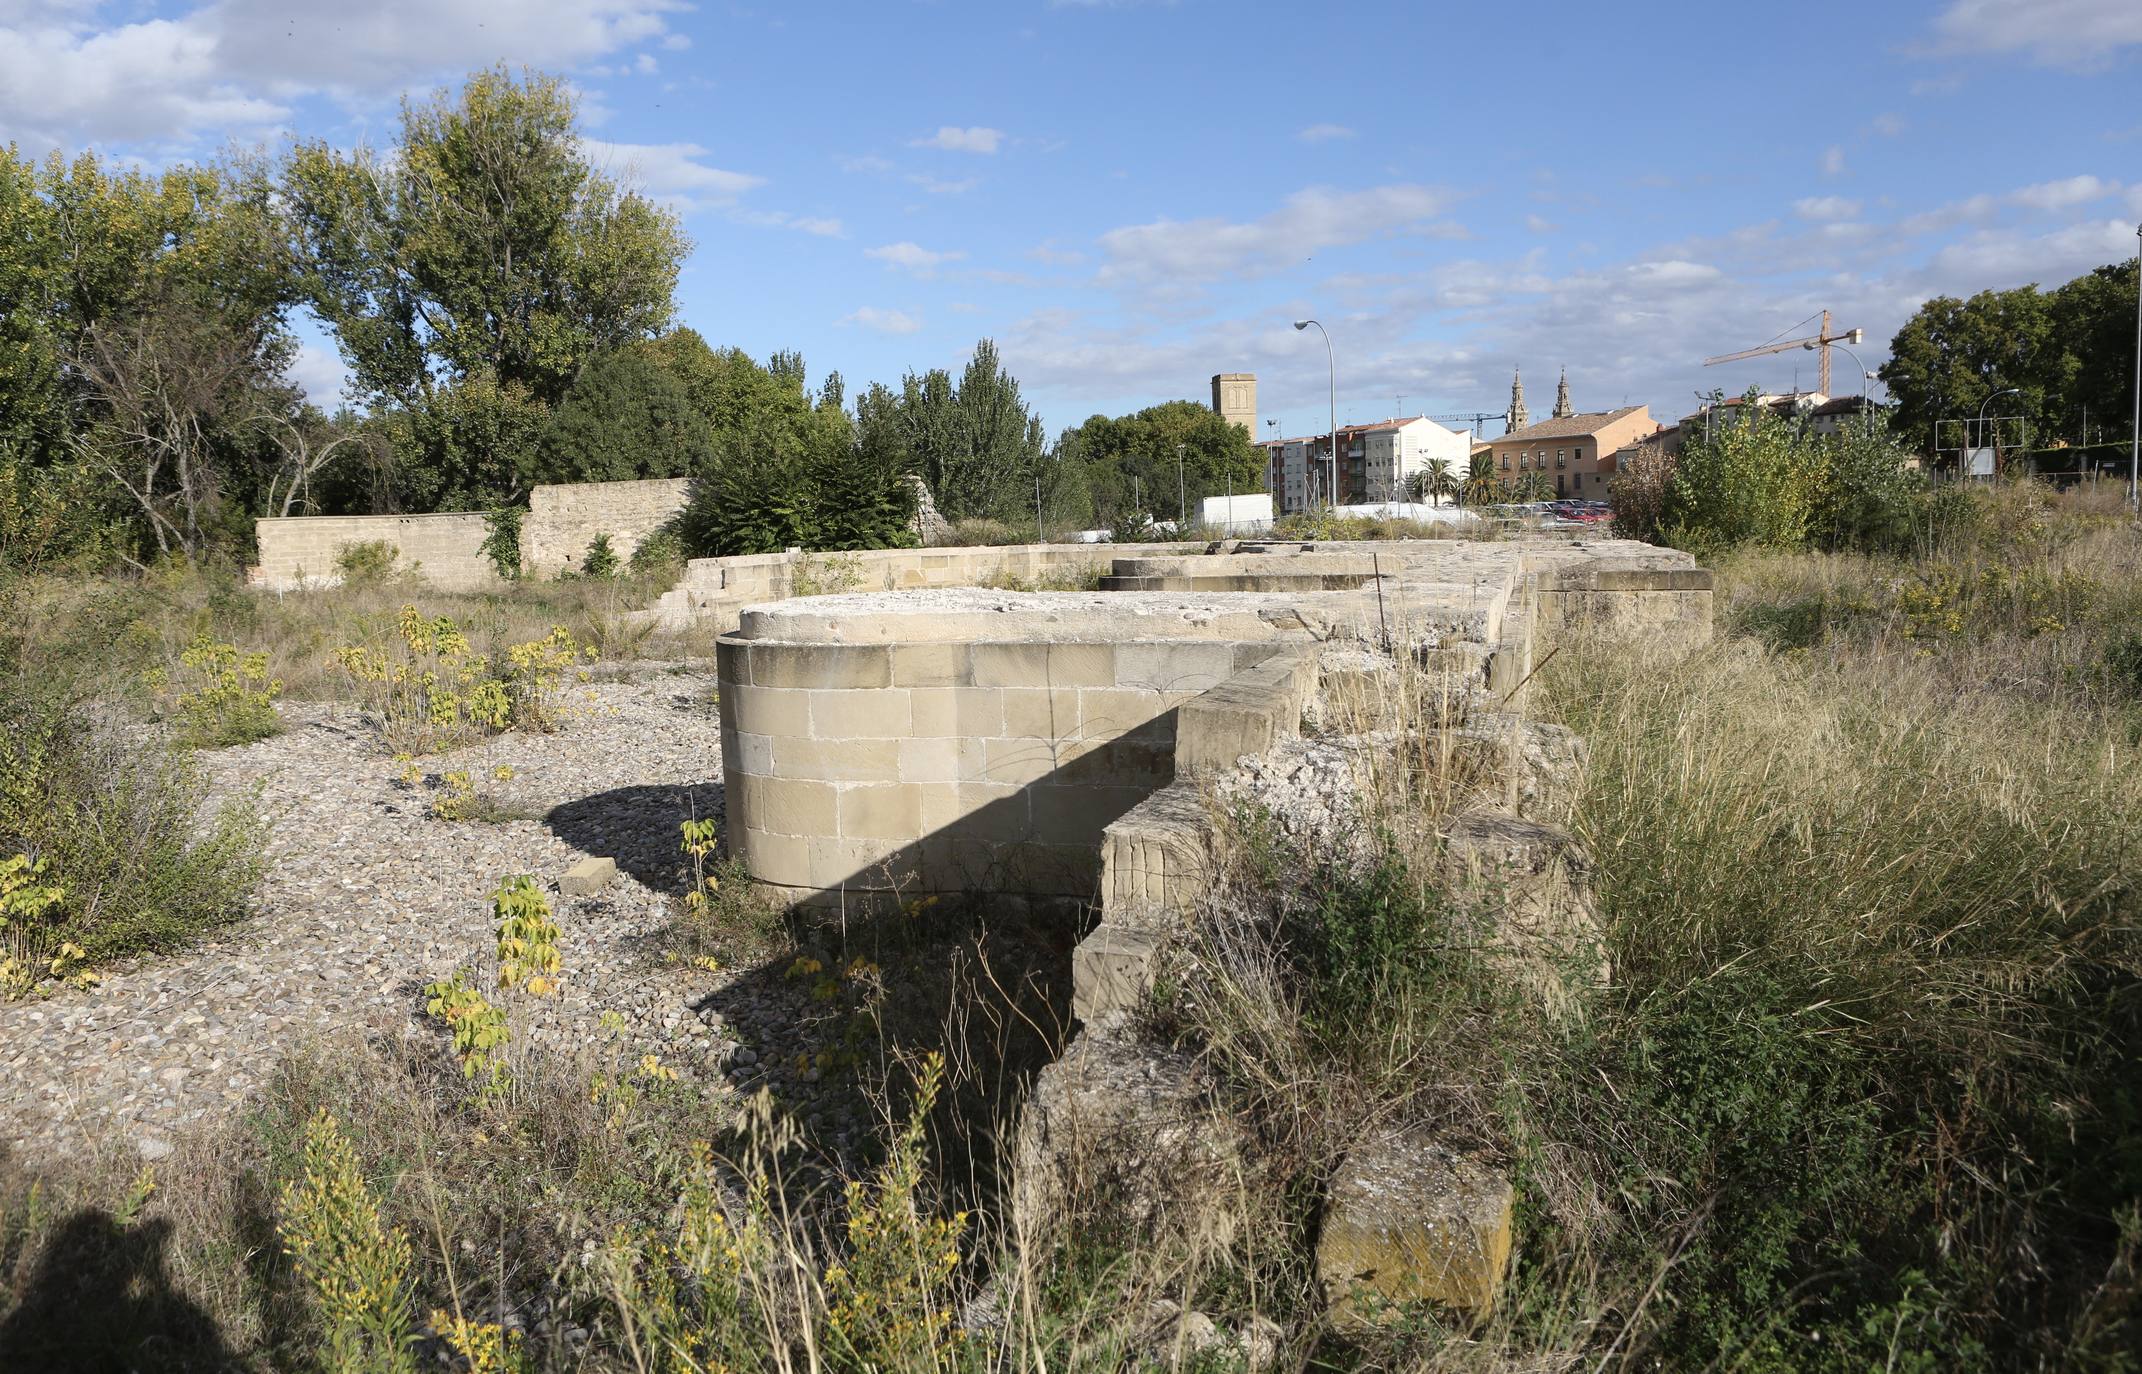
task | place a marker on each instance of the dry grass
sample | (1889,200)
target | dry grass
(107,632)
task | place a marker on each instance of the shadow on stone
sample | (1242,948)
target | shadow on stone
(638,827)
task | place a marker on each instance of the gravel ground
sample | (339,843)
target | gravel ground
(368,897)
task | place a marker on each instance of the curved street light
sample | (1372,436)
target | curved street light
(1865,402)
(1981,430)
(1332,370)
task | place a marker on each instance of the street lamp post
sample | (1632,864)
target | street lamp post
(1332,378)
(1866,409)
(2134,440)
(1182,501)
(1981,429)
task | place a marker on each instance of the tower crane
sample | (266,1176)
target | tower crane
(1820,342)
(1473,419)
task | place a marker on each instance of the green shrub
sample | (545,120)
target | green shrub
(368,564)
(1764,479)
(659,556)
(218,696)
(600,560)
(116,823)
(502,540)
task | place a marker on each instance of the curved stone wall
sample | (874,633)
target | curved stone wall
(882,746)
(982,743)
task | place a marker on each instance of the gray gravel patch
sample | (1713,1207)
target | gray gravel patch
(368,897)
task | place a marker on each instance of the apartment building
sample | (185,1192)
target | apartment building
(1376,461)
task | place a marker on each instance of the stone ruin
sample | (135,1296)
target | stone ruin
(1065,753)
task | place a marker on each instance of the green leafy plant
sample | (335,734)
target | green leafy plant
(502,540)
(356,1266)
(600,560)
(31,957)
(429,688)
(527,937)
(478,1027)
(219,696)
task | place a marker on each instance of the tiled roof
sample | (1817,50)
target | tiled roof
(1569,426)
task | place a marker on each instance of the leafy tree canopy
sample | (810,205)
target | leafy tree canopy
(627,416)
(1131,460)
(2066,351)
(485,244)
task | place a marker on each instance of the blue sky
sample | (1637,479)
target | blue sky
(1130,197)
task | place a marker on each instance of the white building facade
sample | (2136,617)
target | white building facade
(1376,461)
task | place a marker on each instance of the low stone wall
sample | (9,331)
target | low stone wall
(445,550)
(715,591)
(564,519)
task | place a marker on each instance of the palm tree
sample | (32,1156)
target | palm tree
(1479,484)
(1441,481)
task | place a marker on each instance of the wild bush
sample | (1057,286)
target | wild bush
(1874,993)
(1770,480)
(600,560)
(370,563)
(428,689)
(117,824)
(217,695)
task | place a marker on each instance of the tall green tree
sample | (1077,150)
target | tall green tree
(2068,352)
(142,341)
(974,442)
(1131,460)
(626,416)
(788,471)
(1953,355)
(485,243)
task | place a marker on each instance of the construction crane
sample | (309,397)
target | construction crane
(1474,419)
(1820,342)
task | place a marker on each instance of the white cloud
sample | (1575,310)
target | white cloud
(1323,133)
(1833,164)
(2003,258)
(823,228)
(1825,208)
(1312,219)
(938,187)
(320,373)
(2063,33)
(671,172)
(233,68)
(953,139)
(883,321)
(2065,194)
(1540,224)
(1056,257)
(1888,125)
(912,256)
(869,163)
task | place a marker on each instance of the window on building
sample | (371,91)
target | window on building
(1505,462)
(1561,457)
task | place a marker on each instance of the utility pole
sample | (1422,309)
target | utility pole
(2134,437)
(1182,502)
(1331,367)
